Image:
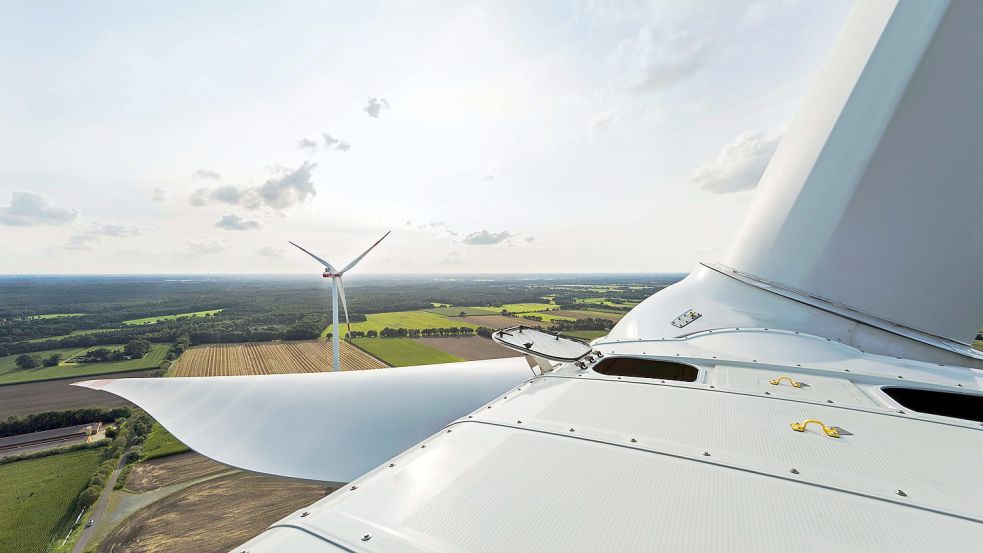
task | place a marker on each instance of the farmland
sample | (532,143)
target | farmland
(158,473)
(57,395)
(586,334)
(10,374)
(39,497)
(216,515)
(151,320)
(160,443)
(471,348)
(404,352)
(406,319)
(267,358)
(450,311)
(525,307)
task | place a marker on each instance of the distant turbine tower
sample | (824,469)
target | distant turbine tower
(337,286)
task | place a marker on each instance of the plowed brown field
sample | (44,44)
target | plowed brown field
(269,358)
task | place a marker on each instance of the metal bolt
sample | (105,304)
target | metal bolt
(767,393)
(423,446)
(829,401)
(959,385)
(304,514)
(391,465)
(366,537)
(901,411)
(706,453)
(353,488)
(794,470)
(899,376)
(470,416)
(448,430)
(518,422)
(901,493)
(633,440)
(846,370)
(572,430)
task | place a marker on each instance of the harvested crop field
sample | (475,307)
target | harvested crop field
(158,473)
(472,348)
(496,321)
(58,395)
(585,314)
(213,516)
(269,358)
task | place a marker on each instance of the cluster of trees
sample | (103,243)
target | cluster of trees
(33,361)
(130,435)
(50,420)
(134,349)
(416,332)
(589,323)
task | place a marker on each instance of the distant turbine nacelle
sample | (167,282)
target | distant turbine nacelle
(338,288)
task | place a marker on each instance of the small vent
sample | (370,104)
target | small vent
(936,402)
(647,368)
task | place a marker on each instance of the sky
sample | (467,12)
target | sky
(500,136)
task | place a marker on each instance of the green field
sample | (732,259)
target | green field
(10,374)
(161,443)
(548,317)
(449,311)
(150,320)
(404,352)
(55,315)
(607,303)
(39,496)
(72,333)
(402,319)
(524,307)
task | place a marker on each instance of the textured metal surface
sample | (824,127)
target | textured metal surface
(486,488)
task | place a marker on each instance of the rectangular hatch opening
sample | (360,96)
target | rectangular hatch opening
(647,368)
(937,402)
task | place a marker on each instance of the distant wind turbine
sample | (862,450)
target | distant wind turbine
(336,287)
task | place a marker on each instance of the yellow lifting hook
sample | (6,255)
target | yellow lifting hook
(829,430)
(777,381)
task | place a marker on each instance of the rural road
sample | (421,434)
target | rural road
(100,507)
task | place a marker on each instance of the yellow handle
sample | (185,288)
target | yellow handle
(778,381)
(829,430)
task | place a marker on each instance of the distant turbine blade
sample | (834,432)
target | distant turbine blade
(327,265)
(359,258)
(341,291)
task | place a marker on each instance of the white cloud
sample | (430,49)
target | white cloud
(270,251)
(739,165)
(306,144)
(290,188)
(206,246)
(664,55)
(159,195)
(485,238)
(86,239)
(343,146)
(206,174)
(28,209)
(375,106)
(329,140)
(235,222)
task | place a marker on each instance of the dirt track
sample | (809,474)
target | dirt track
(213,516)
(471,348)
(56,395)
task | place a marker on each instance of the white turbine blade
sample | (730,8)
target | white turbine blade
(359,258)
(327,265)
(288,424)
(344,304)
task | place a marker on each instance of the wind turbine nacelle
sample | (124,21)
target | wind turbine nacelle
(328,274)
